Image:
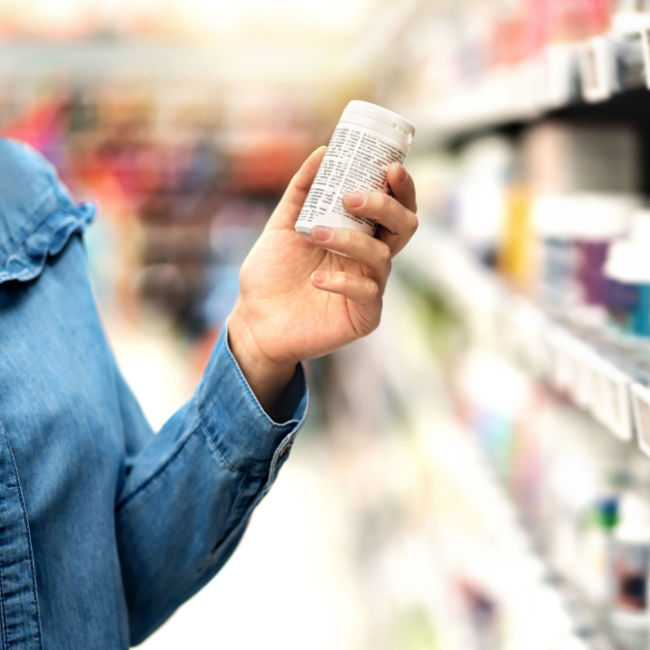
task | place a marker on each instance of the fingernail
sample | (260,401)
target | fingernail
(401,172)
(354,200)
(319,277)
(321,233)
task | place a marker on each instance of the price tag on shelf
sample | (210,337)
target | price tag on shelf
(629,60)
(585,380)
(559,366)
(597,399)
(641,409)
(535,355)
(524,99)
(521,333)
(613,408)
(597,69)
(645,41)
(573,353)
(561,70)
(631,32)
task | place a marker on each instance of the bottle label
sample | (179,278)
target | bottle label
(356,160)
(630,577)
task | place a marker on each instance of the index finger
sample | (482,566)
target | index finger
(289,206)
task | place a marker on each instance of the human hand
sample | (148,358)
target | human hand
(297,298)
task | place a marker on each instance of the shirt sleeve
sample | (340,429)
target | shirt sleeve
(188,491)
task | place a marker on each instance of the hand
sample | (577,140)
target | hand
(297,299)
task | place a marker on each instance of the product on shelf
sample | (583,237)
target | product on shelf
(476,206)
(628,269)
(513,61)
(564,157)
(542,364)
(630,567)
(575,233)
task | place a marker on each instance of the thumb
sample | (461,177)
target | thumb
(287,211)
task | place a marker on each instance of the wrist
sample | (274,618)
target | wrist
(266,377)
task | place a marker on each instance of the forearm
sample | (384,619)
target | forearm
(190,491)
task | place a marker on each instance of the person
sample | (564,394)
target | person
(106,528)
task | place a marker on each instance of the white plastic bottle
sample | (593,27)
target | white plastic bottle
(630,613)
(366,140)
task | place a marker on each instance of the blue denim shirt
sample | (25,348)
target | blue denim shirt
(105,527)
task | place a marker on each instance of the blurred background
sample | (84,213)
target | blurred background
(473,475)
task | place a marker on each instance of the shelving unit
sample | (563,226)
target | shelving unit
(601,80)
(474,548)
(549,351)
(562,78)
(532,357)
(600,382)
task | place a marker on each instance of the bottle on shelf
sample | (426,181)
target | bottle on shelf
(630,568)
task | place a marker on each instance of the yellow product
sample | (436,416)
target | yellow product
(516,255)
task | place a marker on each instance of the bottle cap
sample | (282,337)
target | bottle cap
(635,516)
(367,109)
(603,217)
(628,262)
(606,513)
(641,228)
(583,216)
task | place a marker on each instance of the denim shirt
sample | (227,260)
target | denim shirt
(105,527)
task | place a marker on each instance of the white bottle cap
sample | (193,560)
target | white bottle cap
(603,217)
(583,216)
(551,216)
(627,259)
(634,519)
(641,227)
(367,109)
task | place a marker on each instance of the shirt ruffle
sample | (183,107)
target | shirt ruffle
(37,213)
(27,260)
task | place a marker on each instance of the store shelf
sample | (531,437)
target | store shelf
(602,77)
(473,568)
(500,444)
(630,106)
(483,546)
(606,377)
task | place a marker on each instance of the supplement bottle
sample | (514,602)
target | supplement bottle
(366,140)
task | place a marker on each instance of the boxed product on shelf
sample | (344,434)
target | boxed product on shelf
(562,157)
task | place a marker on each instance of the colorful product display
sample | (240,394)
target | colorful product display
(552,216)
(628,270)
(515,60)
